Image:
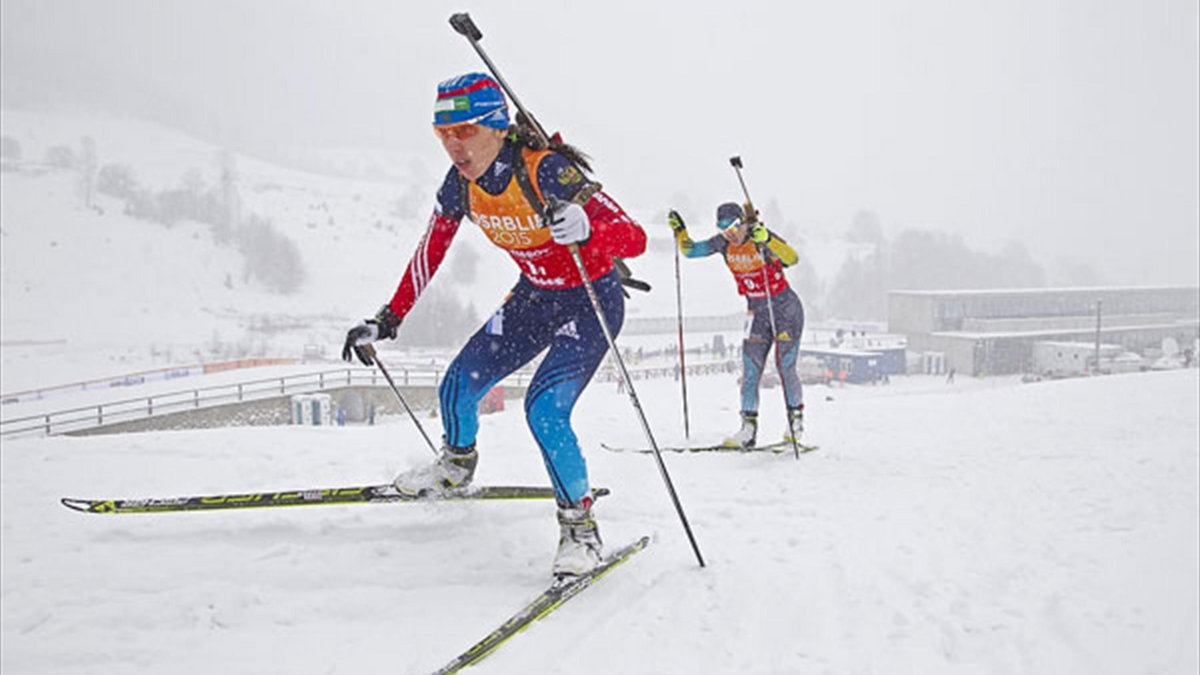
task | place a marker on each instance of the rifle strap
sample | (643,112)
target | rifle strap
(525,182)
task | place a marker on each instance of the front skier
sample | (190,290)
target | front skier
(500,181)
(749,249)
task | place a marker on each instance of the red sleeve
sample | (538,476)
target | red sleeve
(425,261)
(613,232)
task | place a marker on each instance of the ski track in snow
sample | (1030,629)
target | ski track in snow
(984,527)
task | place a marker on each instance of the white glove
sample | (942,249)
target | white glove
(569,224)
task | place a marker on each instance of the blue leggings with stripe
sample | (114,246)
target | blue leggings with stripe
(789,322)
(530,320)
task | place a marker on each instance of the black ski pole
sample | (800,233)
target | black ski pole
(682,364)
(370,350)
(752,217)
(633,397)
(463,24)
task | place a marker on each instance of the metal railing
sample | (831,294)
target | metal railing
(124,410)
(110,412)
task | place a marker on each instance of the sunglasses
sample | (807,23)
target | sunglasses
(726,223)
(459,132)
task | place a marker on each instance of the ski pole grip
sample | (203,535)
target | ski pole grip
(736,161)
(552,204)
(463,24)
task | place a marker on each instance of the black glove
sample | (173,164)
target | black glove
(675,221)
(384,325)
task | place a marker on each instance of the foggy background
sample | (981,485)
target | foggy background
(1068,128)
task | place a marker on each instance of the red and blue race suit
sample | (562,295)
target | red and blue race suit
(548,307)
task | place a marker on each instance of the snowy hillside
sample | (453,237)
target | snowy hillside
(157,296)
(983,527)
(95,293)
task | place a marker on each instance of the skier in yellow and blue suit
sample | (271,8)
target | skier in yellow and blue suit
(756,257)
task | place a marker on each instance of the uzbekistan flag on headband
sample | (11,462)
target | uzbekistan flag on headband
(472,98)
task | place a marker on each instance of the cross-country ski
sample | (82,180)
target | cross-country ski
(362,494)
(772,448)
(560,591)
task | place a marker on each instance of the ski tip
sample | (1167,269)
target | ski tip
(80,505)
(633,547)
(89,505)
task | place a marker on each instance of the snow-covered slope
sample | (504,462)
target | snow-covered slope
(984,527)
(116,294)
(90,294)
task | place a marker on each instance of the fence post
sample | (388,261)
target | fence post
(47,425)
(100,414)
(282,386)
(196,398)
(349,375)
(239,391)
(149,406)
(321,380)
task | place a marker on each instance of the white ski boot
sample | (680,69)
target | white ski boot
(453,470)
(744,438)
(796,422)
(579,545)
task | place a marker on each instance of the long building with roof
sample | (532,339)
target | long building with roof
(992,332)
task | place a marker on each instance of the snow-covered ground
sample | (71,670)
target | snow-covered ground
(982,527)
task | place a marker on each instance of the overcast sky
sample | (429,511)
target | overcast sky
(1070,126)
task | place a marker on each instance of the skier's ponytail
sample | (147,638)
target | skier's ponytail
(526,134)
